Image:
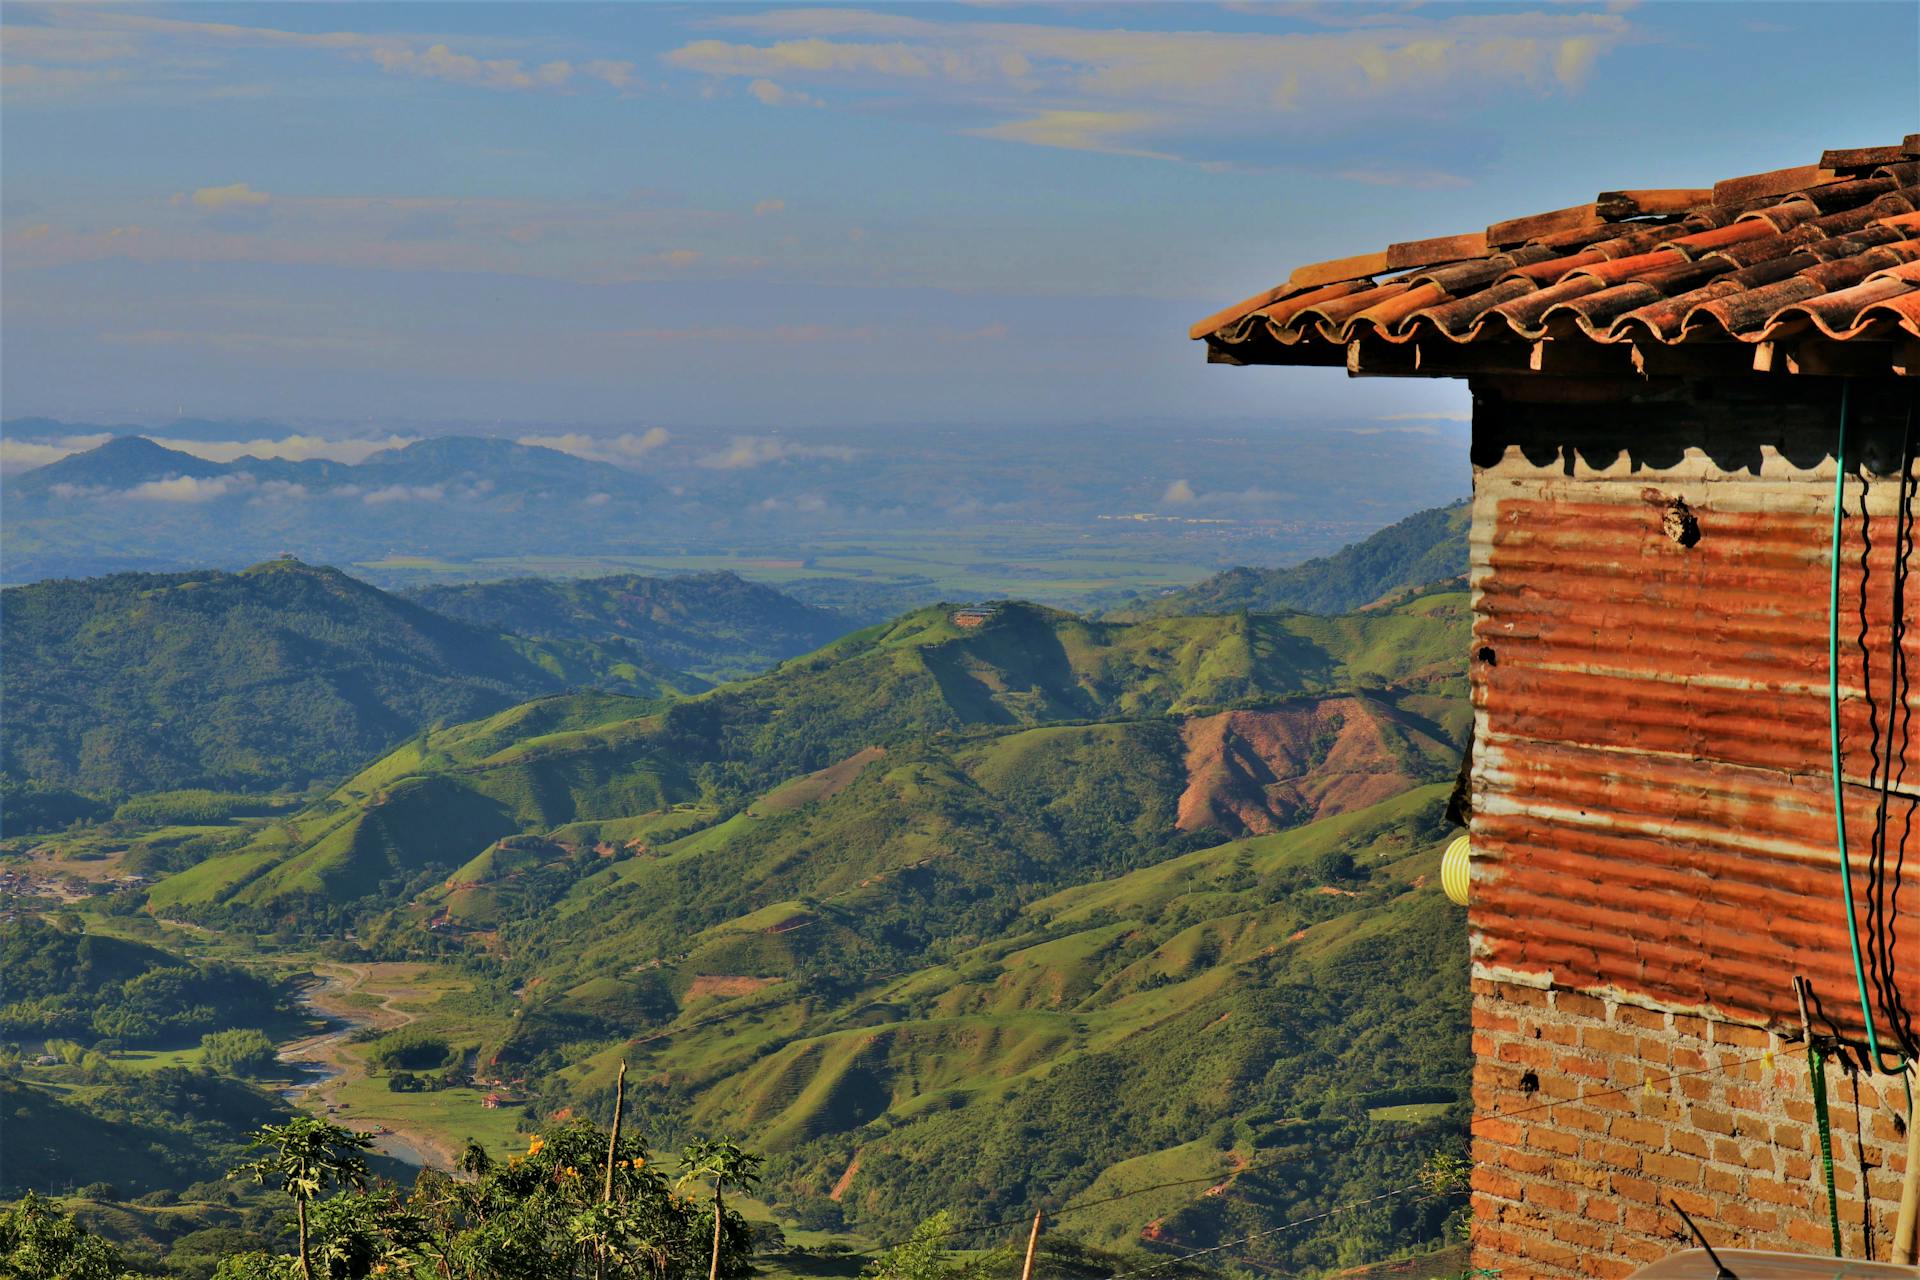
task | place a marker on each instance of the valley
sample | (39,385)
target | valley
(1134,919)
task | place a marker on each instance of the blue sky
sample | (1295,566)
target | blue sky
(749,216)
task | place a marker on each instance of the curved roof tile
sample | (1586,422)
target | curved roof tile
(1828,252)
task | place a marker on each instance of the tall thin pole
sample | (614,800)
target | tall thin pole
(1033,1245)
(613,1141)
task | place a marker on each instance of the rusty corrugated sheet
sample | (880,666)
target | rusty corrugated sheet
(1818,253)
(1653,805)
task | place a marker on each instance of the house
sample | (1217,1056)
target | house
(1693,460)
(974,616)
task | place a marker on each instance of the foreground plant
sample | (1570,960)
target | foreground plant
(577,1203)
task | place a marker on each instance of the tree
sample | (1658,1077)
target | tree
(39,1242)
(720,1163)
(304,1157)
(241,1052)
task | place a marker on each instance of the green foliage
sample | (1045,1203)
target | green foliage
(28,807)
(260,680)
(411,1049)
(1428,546)
(551,1214)
(194,807)
(62,983)
(924,1256)
(148,1131)
(241,1052)
(39,1242)
(714,624)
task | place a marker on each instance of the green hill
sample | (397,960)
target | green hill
(1043,910)
(715,624)
(597,759)
(1427,547)
(272,677)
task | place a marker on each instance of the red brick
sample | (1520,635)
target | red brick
(1712,1119)
(1554,1140)
(1549,1196)
(1688,1024)
(1572,1002)
(1633,1129)
(1645,1019)
(1744,1037)
(1604,1040)
(1681,1169)
(1495,1183)
(1689,1143)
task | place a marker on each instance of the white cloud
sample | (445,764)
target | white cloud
(25,455)
(293,448)
(190,488)
(766,207)
(756,451)
(597,500)
(772,95)
(404,493)
(1122,90)
(627,447)
(179,50)
(236,195)
(1178,493)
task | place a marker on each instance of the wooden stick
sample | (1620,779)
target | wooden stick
(613,1141)
(1033,1245)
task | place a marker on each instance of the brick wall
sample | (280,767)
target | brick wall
(1653,824)
(1591,1113)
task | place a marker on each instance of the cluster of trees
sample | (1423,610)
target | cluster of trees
(581,1203)
(64,982)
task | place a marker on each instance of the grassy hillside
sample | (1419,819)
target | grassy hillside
(1428,546)
(597,759)
(1047,910)
(268,678)
(717,625)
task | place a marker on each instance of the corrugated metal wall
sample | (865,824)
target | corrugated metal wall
(1653,807)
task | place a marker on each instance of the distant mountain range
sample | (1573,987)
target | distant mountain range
(869,520)
(135,504)
(1426,547)
(286,673)
(716,625)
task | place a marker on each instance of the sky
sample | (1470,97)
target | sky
(742,216)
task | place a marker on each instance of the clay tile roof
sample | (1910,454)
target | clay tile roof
(1817,263)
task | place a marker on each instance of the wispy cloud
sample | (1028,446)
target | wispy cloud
(1137,92)
(59,54)
(622,450)
(758,451)
(189,488)
(237,195)
(25,455)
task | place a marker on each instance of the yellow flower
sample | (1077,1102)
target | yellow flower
(534,1144)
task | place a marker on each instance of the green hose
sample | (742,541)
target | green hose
(1833,723)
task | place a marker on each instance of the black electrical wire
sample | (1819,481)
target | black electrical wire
(1884,883)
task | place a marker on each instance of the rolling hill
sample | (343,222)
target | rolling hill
(1042,910)
(268,678)
(717,625)
(1426,547)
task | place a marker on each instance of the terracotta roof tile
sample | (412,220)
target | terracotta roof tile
(1827,252)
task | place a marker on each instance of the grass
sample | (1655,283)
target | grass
(449,1115)
(1409,1111)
